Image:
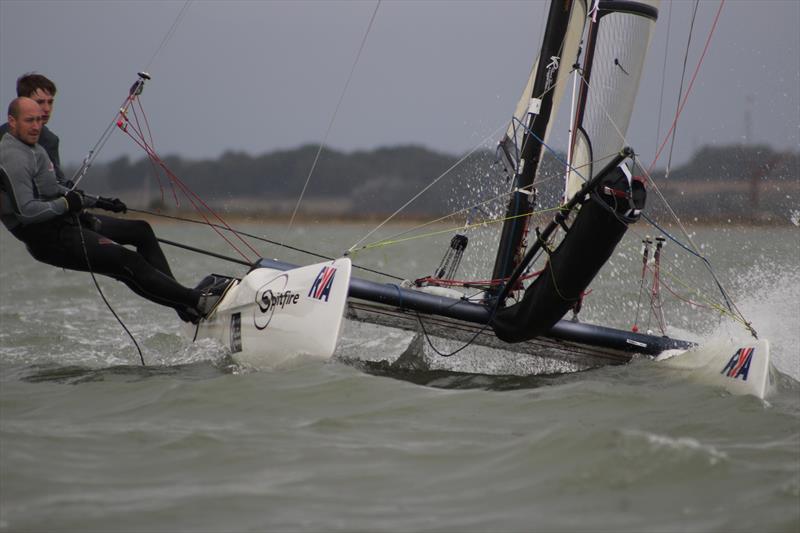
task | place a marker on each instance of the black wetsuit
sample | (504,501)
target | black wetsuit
(34,209)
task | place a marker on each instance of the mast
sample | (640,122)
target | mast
(556,55)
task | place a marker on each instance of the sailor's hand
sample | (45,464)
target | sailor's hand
(115,205)
(89,221)
(74,201)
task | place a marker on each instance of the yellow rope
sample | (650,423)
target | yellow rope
(704,297)
(389,242)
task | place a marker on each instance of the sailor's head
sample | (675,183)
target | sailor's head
(40,89)
(25,120)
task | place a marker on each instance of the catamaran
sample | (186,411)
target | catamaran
(541,274)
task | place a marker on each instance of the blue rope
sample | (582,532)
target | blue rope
(648,219)
(673,239)
(703,259)
(549,148)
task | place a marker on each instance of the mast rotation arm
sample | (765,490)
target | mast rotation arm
(557,220)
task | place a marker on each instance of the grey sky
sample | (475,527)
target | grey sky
(258,76)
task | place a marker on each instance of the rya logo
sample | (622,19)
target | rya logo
(321,288)
(739,365)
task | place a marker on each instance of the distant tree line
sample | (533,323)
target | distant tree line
(377,182)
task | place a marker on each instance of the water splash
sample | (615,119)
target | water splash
(771,300)
(794,216)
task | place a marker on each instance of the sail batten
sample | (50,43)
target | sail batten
(617,44)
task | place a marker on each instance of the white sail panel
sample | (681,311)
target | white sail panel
(621,46)
(580,169)
(568,56)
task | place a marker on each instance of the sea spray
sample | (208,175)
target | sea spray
(772,302)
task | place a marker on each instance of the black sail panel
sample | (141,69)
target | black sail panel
(531,123)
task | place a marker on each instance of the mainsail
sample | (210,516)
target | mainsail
(609,198)
(616,46)
(531,123)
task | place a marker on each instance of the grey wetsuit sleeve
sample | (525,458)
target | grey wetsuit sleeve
(36,195)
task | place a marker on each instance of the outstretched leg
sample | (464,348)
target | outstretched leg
(77,244)
(137,233)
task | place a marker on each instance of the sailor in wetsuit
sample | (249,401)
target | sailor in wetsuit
(48,217)
(43,92)
(133,232)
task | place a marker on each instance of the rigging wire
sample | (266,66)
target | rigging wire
(333,118)
(392,241)
(169,33)
(472,208)
(680,89)
(100,291)
(394,238)
(258,238)
(191,195)
(695,251)
(155,169)
(728,308)
(504,125)
(691,84)
(708,301)
(94,152)
(728,301)
(664,73)
(420,193)
(98,146)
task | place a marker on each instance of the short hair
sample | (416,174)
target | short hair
(30,82)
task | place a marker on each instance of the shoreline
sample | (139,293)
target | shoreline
(191,217)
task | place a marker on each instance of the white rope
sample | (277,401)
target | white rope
(663,75)
(674,215)
(680,89)
(169,33)
(101,142)
(333,119)
(431,184)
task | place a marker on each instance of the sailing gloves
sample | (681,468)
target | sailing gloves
(74,201)
(115,205)
(77,201)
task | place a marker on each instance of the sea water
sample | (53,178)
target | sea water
(90,440)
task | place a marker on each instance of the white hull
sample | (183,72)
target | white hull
(272,316)
(739,368)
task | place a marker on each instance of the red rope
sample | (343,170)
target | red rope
(156,172)
(689,89)
(189,194)
(125,125)
(679,297)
